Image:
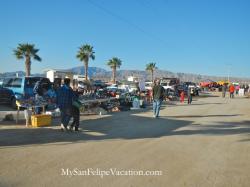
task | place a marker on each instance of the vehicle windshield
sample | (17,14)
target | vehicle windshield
(31,81)
(133,86)
(112,89)
(165,84)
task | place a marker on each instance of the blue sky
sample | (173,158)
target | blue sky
(192,36)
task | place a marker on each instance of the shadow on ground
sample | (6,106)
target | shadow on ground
(124,125)
(246,139)
(203,116)
(118,126)
(185,104)
(221,128)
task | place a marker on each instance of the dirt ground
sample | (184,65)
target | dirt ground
(204,144)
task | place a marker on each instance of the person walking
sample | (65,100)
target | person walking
(231,91)
(182,96)
(237,89)
(75,111)
(189,94)
(224,90)
(158,96)
(149,96)
(39,92)
(64,102)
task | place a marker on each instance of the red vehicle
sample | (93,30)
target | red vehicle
(112,92)
(208,83)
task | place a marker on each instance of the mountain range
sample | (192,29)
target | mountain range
(102,74)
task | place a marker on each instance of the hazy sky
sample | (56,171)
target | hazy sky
(193,36)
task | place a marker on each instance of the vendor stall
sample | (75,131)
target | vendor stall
(35,107)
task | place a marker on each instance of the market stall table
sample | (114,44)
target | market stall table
(32,107)
(95,102)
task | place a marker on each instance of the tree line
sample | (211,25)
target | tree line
(85,53)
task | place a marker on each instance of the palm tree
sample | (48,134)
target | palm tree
(27,51)
(151,68)
(114,63)
(85,53)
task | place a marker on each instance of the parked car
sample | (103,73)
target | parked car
(169,83)
(23,86)
(112,86)
(82,86)
(1,81)
(133,87)
(7,96)
(172,94)
(99,84)
(193,86)
(148,85)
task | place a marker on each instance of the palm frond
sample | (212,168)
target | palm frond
(26,50)
(36,57)
(85,52)
(114,62)
(151,66)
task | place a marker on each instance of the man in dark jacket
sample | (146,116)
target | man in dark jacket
(190,95)
(224,90)
(75,112)
(64,102)
(158,96)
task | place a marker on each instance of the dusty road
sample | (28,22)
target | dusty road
(205,144)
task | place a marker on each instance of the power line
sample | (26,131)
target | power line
(131,24)
(147,5)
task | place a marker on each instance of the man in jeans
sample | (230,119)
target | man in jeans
(190,97)
(158,96)
(64,102)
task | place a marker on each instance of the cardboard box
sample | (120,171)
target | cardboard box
(41,120)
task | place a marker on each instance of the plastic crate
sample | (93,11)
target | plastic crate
(41,120)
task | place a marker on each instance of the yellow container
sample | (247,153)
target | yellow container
(41,120)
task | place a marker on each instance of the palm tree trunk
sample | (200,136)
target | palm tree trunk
(114,74)
(27,65)
(86,69)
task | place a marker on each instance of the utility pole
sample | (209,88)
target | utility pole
(228,73)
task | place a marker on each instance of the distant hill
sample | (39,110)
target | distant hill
(92,71)
(102,74)
(99,73)
(18,73)
(11,74)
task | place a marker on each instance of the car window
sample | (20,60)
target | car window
(164,84)
(173,82)
(17,83)
(7,82)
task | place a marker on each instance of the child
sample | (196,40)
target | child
(182,96)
